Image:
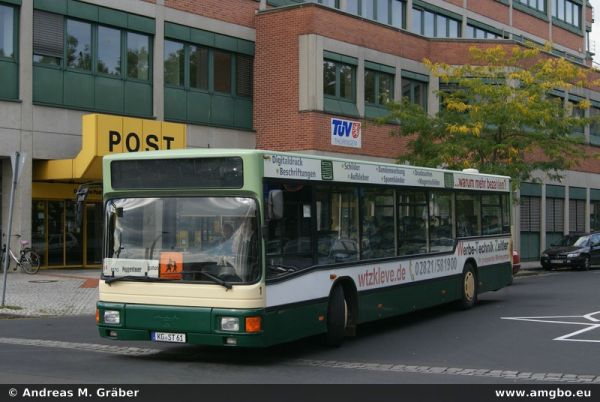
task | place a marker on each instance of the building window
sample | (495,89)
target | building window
(415,91)
(434,25)
(397,14)
(92,66)
(109,51)
(330,3)
(174,63)
(539,5)
(202,64)
(576,215)
(79,45)
(205,85)
(9,66)
(244,74)
(48,38)
(7,32)
(198,67)
(80,49)
(576,112)
(138,56)
(567,11)
(555,221)
(594,215)
(339,80)
(379,87)
(474,32)
(595,126)
(222,71)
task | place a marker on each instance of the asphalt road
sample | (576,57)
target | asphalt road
(555,338)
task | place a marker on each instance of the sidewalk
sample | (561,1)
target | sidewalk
(57,292)
(51,292)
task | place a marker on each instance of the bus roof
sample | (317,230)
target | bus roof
(300,166)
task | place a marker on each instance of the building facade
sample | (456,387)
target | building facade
(282,75)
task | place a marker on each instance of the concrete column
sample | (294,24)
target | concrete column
(310,66)
(22,205)
(360,87)
(158,76)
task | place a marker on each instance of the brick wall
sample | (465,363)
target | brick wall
(239,12)
(458,3)
(491,9)
(279,123)
(531,24)
(277,120)
(567,38)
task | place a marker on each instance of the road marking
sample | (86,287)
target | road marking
(333,364)
(401,368)
(89,347)
(587,320)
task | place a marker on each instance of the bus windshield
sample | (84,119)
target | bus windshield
(209,239)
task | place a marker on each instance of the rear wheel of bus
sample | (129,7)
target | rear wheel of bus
(337,317)
(468,287)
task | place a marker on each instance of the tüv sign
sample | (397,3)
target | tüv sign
(345,133)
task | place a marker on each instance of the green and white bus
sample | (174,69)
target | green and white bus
(253,248)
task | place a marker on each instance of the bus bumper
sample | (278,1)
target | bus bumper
(192,325)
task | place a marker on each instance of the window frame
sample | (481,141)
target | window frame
(337,96)
(377,86)
(15,34)
(422,25)
(413,82)
(94,43)
(210,89)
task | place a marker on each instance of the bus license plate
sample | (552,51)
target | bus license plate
(168,337)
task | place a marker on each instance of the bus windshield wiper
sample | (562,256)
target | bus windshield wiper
(220,281)
(110,280)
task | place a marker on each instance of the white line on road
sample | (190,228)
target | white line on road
(89,347)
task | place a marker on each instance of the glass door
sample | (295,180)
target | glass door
(56,226)
(93,230)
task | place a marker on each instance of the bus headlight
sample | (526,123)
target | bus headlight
(230,324)
(112,317)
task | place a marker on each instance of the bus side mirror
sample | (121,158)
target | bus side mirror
(275,205)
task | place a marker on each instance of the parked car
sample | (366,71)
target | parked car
(575,250)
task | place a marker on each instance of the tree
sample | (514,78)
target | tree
(500,115)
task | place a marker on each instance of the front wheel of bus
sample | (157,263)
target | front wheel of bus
(469,287)
(337,313)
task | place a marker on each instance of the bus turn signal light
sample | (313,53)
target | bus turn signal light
(97,316)
(253,324)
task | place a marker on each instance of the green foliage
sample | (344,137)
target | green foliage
(498,115)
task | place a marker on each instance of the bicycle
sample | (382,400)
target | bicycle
(28,259)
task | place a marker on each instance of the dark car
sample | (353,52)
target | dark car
(576,250)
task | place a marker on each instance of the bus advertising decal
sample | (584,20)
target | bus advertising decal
(305,168)
(468,182)
(316,284)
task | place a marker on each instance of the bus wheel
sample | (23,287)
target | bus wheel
(469,287)
(337,317)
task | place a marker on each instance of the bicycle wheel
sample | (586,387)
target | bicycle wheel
(30,262)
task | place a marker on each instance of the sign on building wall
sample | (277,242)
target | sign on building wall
(107,134)
(346,133)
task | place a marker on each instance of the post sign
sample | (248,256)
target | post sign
(346,133)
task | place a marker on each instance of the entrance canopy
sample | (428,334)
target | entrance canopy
(106,134)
